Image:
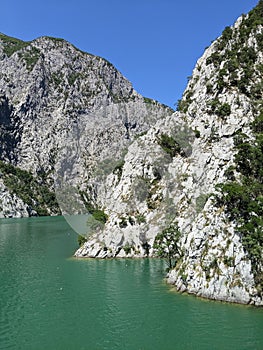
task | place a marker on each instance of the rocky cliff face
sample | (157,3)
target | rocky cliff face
(137,167)
(171,174)
(62,112)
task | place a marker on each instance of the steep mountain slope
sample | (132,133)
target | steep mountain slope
(62,111)
(186,169)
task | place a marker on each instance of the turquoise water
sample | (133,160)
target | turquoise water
(49,300)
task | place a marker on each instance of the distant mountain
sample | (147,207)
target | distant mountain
(71,123)
(58,104)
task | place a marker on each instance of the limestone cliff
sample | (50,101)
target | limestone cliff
(171,174)
(62,111)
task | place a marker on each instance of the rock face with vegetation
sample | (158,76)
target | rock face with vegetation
(63,112)
(200,168)
(184,185)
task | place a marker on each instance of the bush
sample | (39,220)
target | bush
(99,215)
(127,249)
(223,110)
(219,109)
(81,240)
(215,58)
(166,244)
(140,219)
(169,145)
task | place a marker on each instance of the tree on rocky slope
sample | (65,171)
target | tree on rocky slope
(166,244)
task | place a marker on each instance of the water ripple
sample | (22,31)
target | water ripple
(49,301)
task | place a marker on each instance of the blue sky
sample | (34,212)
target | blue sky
(154,43)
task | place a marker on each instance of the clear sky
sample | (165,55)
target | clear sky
(154,43)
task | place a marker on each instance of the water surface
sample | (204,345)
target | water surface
(49,300)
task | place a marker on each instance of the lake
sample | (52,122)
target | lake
(50,300)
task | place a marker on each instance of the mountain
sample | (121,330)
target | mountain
(62,111)
(76,137)
(202,168)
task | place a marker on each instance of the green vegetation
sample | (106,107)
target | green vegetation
(56,40)
(169,145)
(97,213)
(12,45)
(242,194)
(34,192)
(242,197)
(127,248)
(218,108)
(166,245)
(30,57)
(179,142)
(151,102)
(223,110)
(73,77)
(56,79)
(184,103)
(239,57)
(81,240)
(214,58)
(140,219)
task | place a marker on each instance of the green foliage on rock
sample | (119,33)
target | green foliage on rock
(242,197)
(166,244)
(11,45)
(127,248)
(223,110)
(184,103)
(169,145)
(81,240)
(235,56)
(34,192)
(30,57)
(218,108)
(97,213)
